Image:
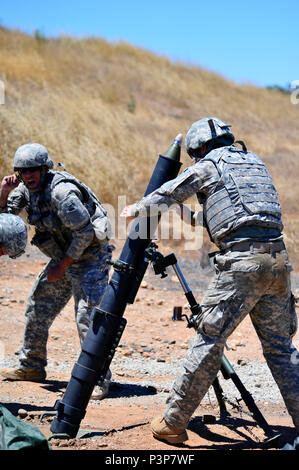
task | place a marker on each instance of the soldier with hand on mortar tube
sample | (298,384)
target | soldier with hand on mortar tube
(242,214)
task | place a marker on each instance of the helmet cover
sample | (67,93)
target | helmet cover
(205,130)
(13,234)
(32,155)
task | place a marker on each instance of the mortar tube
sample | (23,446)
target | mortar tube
(102,338)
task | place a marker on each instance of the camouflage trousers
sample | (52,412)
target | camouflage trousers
(257,284)
(85,280)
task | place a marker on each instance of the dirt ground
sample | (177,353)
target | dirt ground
(122,420)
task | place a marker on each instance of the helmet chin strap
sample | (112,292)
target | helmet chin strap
(212,127)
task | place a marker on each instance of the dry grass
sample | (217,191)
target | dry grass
(107,110)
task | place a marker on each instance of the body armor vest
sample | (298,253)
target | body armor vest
(243,195)
(98,214)
(44,219)
(89,198)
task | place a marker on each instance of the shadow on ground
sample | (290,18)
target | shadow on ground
(241,427)
(116,389)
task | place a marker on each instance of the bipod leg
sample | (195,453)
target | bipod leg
(220,397)
(195,309)
(229,373)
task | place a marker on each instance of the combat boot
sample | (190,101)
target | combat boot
(30,374)
(165,432)
(101,390)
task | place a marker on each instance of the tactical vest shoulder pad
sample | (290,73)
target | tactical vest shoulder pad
(64,177)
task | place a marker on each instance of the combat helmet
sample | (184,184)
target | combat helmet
(32,155)
(206,131)
(13,234)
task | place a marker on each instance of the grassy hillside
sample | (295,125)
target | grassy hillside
(107,110)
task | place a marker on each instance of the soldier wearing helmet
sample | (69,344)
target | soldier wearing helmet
(13,235)
(242,214)
(72,229)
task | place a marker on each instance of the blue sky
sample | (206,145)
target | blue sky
(246,41)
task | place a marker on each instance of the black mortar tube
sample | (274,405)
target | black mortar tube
(107,322)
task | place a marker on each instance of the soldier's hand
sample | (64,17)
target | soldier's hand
(127,213)
(9,183)
(57,272)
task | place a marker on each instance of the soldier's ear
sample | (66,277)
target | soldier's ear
(3,250)
(203,149)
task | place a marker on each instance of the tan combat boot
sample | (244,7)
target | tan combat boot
(101,390)
(165,432)
(30,374)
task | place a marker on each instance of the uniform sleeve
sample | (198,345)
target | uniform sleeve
(176,191)
(73,214)
(16,200)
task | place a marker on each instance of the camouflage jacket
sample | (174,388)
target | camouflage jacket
(62,211)
(226,207)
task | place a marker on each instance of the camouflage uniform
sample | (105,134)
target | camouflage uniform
(254,283)
(66,216)
(242,214)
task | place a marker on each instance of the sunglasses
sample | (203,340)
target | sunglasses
(32,169)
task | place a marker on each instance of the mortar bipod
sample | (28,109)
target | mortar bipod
(160,263)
